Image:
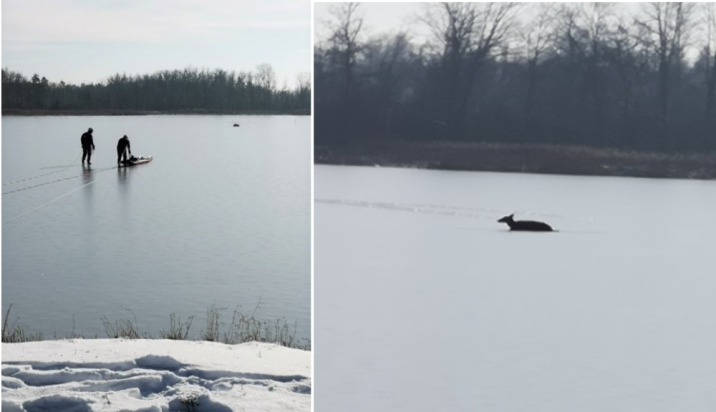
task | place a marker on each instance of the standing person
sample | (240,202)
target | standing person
(87,146)
(122,148)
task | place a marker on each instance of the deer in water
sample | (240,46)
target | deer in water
(526,225)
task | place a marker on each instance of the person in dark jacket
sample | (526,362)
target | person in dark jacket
(122,148)
(87,146)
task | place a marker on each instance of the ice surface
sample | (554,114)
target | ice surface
(424,302)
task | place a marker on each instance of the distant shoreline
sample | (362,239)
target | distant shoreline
(15,112)
(520,158)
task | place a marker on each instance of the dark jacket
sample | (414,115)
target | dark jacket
(86,140)
(123,144)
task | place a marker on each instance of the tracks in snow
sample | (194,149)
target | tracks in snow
(149,383)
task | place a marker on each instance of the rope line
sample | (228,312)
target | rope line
(51,201)
(43,175)
(54,181)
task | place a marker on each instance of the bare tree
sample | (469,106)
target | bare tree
(709,55)
(266,77)
(304,81)
(629,57)
(344,46)
(587,26)
(667,25)
(580,74)
(467,34)
(389,58)
(536,38)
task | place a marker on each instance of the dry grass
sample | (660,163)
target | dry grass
(122,329)
(243,328)
(526,158)
(178,330)
(211,333)
(15,333)
(248,328)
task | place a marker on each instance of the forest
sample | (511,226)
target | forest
(636,77)
(169,91)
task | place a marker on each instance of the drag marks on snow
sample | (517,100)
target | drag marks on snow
(442,210)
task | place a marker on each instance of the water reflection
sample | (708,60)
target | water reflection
(86,173)
(122,173)
(86,180)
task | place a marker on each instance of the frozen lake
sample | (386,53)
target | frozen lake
(221,216)
(424,302)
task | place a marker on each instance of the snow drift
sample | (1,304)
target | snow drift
(153,376)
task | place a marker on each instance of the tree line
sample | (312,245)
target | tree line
(188,90)
(596,74)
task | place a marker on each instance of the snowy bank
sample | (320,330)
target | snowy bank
(154,375)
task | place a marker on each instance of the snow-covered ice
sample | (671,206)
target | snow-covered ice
(154,375)
(423,302)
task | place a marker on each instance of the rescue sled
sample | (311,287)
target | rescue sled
(134,160)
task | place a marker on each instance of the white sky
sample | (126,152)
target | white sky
(378,18)
(90,40)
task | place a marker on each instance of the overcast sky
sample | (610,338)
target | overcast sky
(378,18)
(90,40)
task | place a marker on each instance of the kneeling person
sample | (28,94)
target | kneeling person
(122,148)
